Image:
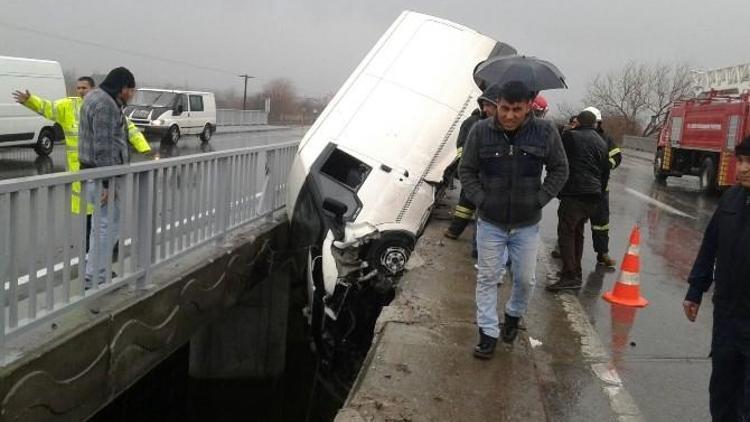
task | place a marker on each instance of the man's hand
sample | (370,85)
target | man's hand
(21,96)
(691,309)
(105,196)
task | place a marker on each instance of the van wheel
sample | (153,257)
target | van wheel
(708,177)
(45,143)
(173,135)
(206,134)
(390,254)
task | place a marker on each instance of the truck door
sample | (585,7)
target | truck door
(197,113)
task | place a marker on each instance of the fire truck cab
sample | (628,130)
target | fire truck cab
(698,139)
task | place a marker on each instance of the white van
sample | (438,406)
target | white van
(169,114)
(20,126)
(367,173)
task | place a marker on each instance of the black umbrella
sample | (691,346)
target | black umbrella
(537,74)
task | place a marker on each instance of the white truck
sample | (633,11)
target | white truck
(168,114)
(368,172)
(20,126)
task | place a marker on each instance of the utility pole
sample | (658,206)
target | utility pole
(244,96)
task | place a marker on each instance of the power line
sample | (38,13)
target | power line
(112,48)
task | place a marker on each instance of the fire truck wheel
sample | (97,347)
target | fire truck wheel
(658,174)
(708,176)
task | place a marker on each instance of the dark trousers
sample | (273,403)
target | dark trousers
(600,226)
(573,214)
(462,215)
(729,389)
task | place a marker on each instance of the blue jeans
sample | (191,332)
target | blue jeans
(495,246)
(100,247)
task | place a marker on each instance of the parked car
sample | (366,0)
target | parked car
(20,126)
(169,114)
(368,172)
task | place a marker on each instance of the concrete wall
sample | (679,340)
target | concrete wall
(74,368)
(639,143)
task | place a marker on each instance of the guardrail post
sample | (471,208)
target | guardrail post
(145,232)
(223,186)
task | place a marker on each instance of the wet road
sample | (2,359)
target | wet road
(22,162)
(660,356)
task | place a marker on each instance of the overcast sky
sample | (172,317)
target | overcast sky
(317,44)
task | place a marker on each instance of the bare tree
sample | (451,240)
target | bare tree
(283,97)
(667,83)
(638,95)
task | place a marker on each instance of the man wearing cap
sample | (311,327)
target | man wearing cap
(501,172)
(723,261)
(464,212)
(103,141)
(581,195)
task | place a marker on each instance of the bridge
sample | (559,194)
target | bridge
(199,234)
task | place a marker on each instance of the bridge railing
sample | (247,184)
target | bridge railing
(234,117)
(166,209)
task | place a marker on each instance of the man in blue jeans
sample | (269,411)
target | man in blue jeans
(501,172)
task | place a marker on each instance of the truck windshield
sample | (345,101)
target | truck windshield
(154,98)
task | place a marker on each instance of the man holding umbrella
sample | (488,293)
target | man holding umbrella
(501,172)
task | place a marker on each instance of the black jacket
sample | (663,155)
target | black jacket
(615,154)
(502,172)
(588,162)
(466,126)
(723,257)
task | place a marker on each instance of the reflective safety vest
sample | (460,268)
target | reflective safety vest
(65,112)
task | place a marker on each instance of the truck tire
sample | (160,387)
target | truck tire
(708,176)
(659,175)
(391,252)
(45,142)
(207,132)
(173,135)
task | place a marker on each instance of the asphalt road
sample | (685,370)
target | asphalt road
(23,162)
(661,358)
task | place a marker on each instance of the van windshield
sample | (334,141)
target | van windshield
(154,98)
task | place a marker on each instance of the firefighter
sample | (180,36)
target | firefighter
(464,212)
(600,218)
(65,112)
(540,107)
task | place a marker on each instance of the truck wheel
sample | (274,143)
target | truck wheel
(390,254)
(206,134)
(45,142)
(708,176)
(173,135)
(659,175)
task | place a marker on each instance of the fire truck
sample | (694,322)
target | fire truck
(699,135)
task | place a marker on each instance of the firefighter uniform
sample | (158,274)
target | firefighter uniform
(600,218)
(464,212)
(65,112)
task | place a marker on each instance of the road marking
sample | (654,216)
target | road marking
(659,204)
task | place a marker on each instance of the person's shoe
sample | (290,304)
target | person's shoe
(510,329)
(566,282)
(486,346)
(450,234)
(556,253)
(603,260)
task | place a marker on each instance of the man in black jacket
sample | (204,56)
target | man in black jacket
(501,172)
(723,259)
(464,211)
(580,198)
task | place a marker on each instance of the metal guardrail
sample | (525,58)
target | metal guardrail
(639,143)
(233,117)
(167,208)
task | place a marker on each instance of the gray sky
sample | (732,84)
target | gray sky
(318,43)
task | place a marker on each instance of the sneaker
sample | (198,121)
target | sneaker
(450,235)
(510,329)
(486,346)
(604,260)
(566,282)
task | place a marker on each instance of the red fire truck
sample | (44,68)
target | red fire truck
(698,139)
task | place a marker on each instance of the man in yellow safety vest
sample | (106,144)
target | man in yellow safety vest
(65,112)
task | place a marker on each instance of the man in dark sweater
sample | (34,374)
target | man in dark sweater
(723,260)
(580,197)
(501,172)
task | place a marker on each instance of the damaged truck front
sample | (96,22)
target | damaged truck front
(369,171)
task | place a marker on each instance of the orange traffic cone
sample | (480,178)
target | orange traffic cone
(627,290)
